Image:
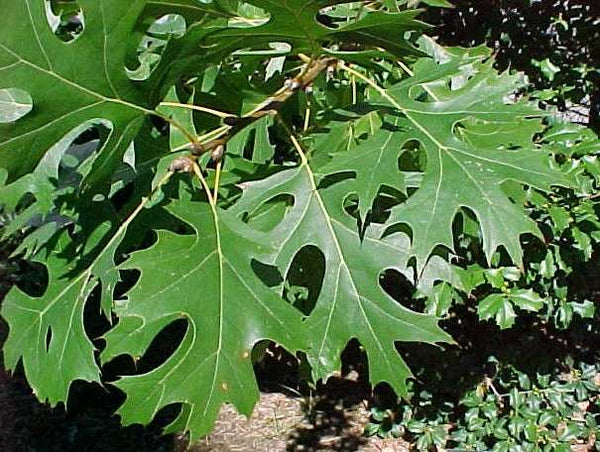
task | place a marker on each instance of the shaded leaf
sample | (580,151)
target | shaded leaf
(48,332)
(498,307)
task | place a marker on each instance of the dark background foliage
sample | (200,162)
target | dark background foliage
(567,32)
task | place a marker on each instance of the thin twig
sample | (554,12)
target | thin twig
(306,118)
(234,124)
(210,111)
(490,384)
(299,149)
(203,139)
(594,196)
(405,68)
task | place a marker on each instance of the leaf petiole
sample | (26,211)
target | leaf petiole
(210,111)
(217,180)
(202,179)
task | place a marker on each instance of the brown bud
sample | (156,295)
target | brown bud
(181,165)
(217,153)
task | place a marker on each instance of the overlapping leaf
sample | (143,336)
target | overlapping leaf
(351,303)
(374,164)
(73,83)
(47,333)
(207,279)
(293,23)
(475,139)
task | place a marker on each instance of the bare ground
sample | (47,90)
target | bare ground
(281,423)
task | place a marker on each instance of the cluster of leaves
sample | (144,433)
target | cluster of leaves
(551,282)
(553,287)
(510,411)
(362,172)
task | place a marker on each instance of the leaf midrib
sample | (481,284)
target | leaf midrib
(221,258)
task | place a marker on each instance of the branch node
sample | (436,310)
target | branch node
(293,84)
(197,149)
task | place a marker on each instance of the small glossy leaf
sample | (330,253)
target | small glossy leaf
(586,309)
(526,299)
(498,307)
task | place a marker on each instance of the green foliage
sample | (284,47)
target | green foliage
(551,281)
(382,143)
(213,364)
(513,411)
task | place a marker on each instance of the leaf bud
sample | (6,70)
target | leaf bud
(181,165)
(217,153)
